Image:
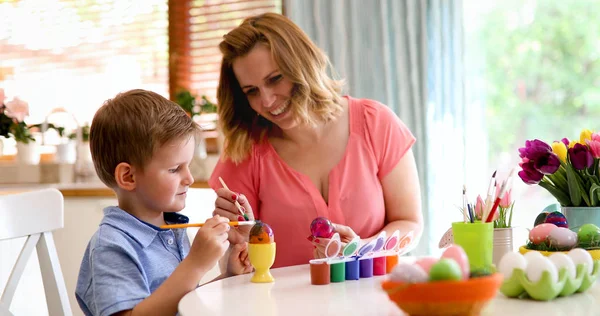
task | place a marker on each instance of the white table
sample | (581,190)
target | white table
(292,294)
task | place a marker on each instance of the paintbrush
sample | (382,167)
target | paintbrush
(503,190)
(490,196)
(242,223)
(464,202)
(239,207)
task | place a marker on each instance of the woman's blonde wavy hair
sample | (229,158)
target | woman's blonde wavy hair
(315,95)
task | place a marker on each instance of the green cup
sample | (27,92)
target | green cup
(477,239)
(338,272)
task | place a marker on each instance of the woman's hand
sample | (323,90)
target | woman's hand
(346,235)
(225,206)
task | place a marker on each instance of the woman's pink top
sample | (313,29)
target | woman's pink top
(288,200)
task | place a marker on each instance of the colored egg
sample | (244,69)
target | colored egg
(445,270)
(588,234)
(261,233)
(536,267)
(580,256)
(426,262)
(562,238)
(458,254)
(541,218)
(511,261)
(408,273)
(540,233)
(557,218)
(322,227)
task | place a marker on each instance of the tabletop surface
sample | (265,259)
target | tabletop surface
(292,294)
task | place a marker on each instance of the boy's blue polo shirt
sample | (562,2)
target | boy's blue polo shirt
(126,260)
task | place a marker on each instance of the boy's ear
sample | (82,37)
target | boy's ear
(125,176)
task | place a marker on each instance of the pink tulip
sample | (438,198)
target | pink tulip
(17,109)
(2,96)
(479,207)
(506,200)
(594,145)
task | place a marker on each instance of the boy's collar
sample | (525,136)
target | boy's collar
(144,233)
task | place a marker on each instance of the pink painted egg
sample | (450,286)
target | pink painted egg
(426,262)
(562,238)
(540,233)
(458,254)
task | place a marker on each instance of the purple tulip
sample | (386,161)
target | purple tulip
(581,157)
(534,149)
(566,142)
(547,164)
(529,174)
(540,157)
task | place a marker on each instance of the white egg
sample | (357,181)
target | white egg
(561,260)
(532,254)
(537,265)
(580,256)
(511,261)
(408,273)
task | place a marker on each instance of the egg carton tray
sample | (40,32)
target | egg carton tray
(519,286)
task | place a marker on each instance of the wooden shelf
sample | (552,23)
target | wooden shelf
(79,190)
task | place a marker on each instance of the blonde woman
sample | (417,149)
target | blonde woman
(296,149)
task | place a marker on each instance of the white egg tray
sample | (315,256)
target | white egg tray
(518,284)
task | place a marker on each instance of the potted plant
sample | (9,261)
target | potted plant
(5,122)
(503,230)
(15,111)
(65,149)
(203,111)
(188,102)
(570,171)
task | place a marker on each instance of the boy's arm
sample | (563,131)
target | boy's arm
(165,299)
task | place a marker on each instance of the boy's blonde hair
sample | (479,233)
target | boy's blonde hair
(315,96)
(131,126)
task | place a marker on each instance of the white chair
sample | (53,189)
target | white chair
(34,215)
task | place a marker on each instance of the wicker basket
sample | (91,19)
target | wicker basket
(444,298)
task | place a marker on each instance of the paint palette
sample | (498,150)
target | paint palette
(352,261)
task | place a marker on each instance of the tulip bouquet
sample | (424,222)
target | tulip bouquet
(567,169)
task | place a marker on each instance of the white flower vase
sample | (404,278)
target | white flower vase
(503,243)
(28,154)
(65,153)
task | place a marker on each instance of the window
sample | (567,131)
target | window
(534,67)
(197,27)
(75,55)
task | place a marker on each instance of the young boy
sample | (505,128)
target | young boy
(142,145)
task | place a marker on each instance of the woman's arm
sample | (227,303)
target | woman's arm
(402,196)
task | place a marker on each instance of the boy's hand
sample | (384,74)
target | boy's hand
(210,242)
(225,206)
(238,262)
